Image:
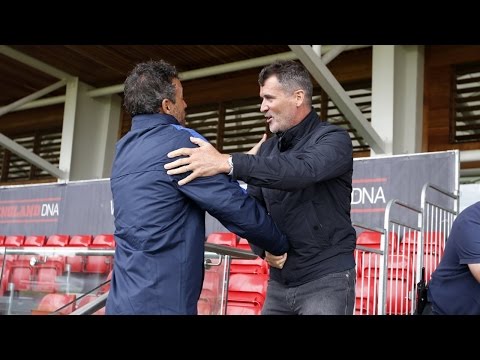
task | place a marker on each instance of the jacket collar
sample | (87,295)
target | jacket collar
(146,121)
(292,136)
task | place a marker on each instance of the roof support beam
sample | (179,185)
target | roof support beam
(31,157)
(333,53)
(317,49)
(32,62)
(208,71)
(231,67)
(38,94)
(53,100)
(335,91)
(470,172)
(21,151)
(204,72)
(469,155)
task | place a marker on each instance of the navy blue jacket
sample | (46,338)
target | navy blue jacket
(304,177)
(160,226)
(453,290)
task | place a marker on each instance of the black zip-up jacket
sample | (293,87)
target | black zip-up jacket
(304,178)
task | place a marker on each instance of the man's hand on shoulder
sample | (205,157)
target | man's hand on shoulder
(204,160)
(254,150)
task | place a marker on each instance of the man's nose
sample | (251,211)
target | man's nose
(263,107)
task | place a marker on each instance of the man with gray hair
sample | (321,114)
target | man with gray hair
(303,175)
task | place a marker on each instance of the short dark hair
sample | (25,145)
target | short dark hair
(291,74)
(147,85)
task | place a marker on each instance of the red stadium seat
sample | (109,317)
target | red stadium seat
(53,302)
(365,296)
(433,248)
(14,240)
(4,280)
(249,288)
(35,240)
(58,240)
(241,308)
(77,263)
(100,263)
(105,240)
(244,244)
(256,283)
(399,287)
(433,243)
(80,240)
(211,291)
(57,261)
(46,280)
(22,273)
(212,282)
(372,239)
(223,238)
(245,266)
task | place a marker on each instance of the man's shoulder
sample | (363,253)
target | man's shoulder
(181,136)
(331,129)
(187,131)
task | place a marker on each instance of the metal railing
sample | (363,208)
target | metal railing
(215,256)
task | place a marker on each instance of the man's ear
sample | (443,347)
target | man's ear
(166,105)
(299,97)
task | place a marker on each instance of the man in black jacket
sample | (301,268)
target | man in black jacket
(303,175)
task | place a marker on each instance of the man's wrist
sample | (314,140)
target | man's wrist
(230,164)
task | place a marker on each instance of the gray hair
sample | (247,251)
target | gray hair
(292,75)
(147,85)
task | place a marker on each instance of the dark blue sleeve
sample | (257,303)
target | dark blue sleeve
(225,200)
(256,193)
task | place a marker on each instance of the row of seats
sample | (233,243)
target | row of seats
(434,241)
(106,240)
(246,293)
(244,266)
(401,266)
(67,303)
(247,285)
(33,272)
(399,284)
(434,244)
(248,278)
(246,290)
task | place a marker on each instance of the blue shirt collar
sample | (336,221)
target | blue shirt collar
(150,120)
